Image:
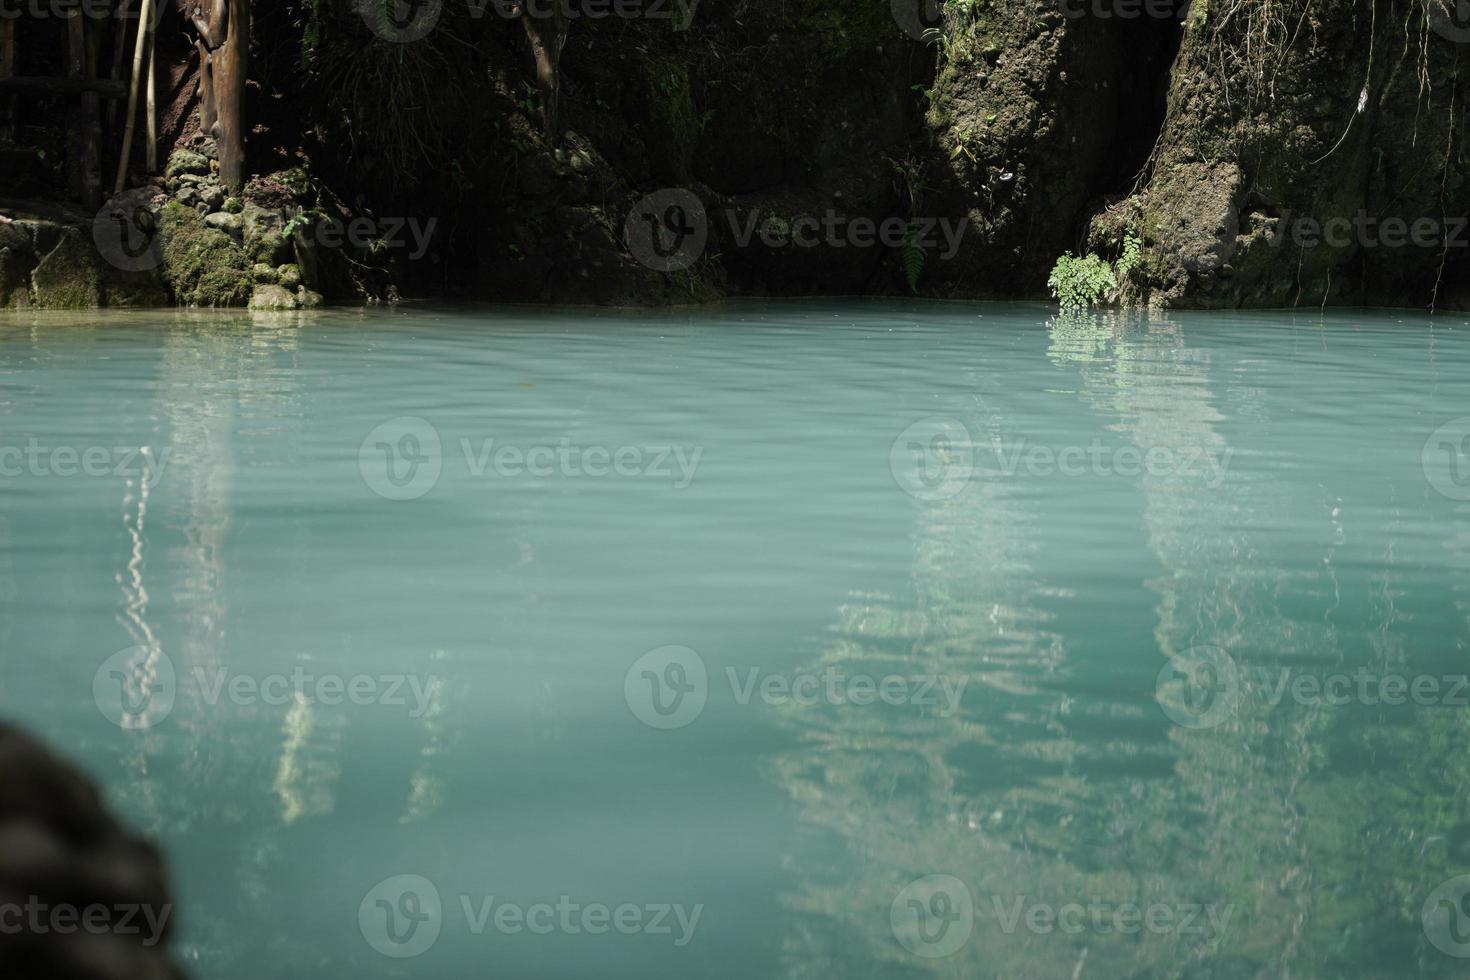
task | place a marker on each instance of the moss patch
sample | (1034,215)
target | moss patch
(68,278)
(204,267)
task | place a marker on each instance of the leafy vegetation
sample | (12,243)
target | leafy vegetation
(1080,283)
(1131,257)
(914,257)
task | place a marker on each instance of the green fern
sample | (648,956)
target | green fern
(1132,255)
(914,257)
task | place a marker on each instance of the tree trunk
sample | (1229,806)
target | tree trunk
(231,62)
(84,136)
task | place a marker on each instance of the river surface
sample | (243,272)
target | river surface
(808,640)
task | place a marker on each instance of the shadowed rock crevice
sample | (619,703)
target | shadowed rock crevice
(64,857)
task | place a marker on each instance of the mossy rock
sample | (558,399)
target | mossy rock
(17,259)
(69,277)
(272,297)
(269,248)
(203,266)
(133,290)
(182,162)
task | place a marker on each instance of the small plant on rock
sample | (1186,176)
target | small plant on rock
(1078,283)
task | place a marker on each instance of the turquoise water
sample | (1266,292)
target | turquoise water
(801,640)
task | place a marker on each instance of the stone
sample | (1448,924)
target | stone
(188,197)
(45,235)
(213,195)
(203,266)
(69,277)
(186,162)
(289,276)
(231,224)
(263,234)
(270,297)
(264,273)
(133,290)
(308,299)
(261,221)
(232,205)
(17,259)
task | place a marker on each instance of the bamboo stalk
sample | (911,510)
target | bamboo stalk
(152,109)
(127,144)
